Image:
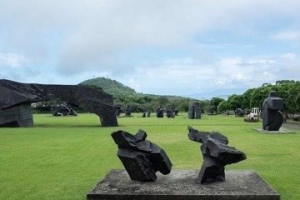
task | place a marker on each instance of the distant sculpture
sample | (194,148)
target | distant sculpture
(176,111)
(128,111)
(118,110)
(216,154)
(194,110)
(16,98)
(141,158)
(239,112)
(170,113)
(212,110)
(63,110)
(159,112)
(272,118)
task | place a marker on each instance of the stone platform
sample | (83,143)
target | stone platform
(280,131)
(181,185)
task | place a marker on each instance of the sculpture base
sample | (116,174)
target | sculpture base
(281,130)
(18,116)
(181,185)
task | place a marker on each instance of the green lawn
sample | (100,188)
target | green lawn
(64,157)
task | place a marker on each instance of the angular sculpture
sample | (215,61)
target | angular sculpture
(216,154)
(272,118)
(194,110)
(63,110)
(170,113)
(15,100)
(239,112)
(160,112)
(141,158)
(128,111)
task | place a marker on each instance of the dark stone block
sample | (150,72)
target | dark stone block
(92,99)
(18,116)
(159,112)
(180,185)
(141,158)
(63,111)
(128,111)
(194,110)
(216,154)
(272,118)
(170,113)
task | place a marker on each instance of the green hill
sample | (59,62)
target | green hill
(112,87)
(126,96)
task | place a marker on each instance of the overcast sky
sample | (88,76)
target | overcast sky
(197,48)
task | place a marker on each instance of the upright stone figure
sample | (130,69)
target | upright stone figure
(15,100)
(272,118)
(216,154)
(194,110)
(141,158)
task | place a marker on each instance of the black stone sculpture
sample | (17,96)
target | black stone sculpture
(141,158)
(272,118)
(63,110)
(212,110)
(15,100)
(216,154)
(239,112)
(159,112)
(176,111)
(170,113)
(128,111)
(194,110)
(118,110)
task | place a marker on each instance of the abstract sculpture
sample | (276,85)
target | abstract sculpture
(159,112)
(216,154)
(170,113)
(15,100)
(272,118)
(194,110)
(141,158)
(63,110)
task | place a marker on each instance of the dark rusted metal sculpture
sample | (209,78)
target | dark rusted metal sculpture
(272,118)
(216,154)
(15,100)
(141,158)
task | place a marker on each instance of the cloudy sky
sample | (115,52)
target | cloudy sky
(197,48)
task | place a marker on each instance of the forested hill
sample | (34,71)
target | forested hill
(112,87)
(126,96)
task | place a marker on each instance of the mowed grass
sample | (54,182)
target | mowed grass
(64,157)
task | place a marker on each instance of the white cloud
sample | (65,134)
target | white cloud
(287,35)
(66,41)
(94,34)
(12,60)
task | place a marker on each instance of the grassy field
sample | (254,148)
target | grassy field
(64,157)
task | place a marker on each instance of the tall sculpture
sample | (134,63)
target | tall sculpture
(15,100)
(272,118)
(216,155)
(194,110)
(141,158)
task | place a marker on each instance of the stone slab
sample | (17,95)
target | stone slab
(280,131)
(181,185)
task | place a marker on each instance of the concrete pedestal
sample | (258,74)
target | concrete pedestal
(181,185)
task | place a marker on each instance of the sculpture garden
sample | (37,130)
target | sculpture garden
(63,158)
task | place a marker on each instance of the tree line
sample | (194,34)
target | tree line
(289,90)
